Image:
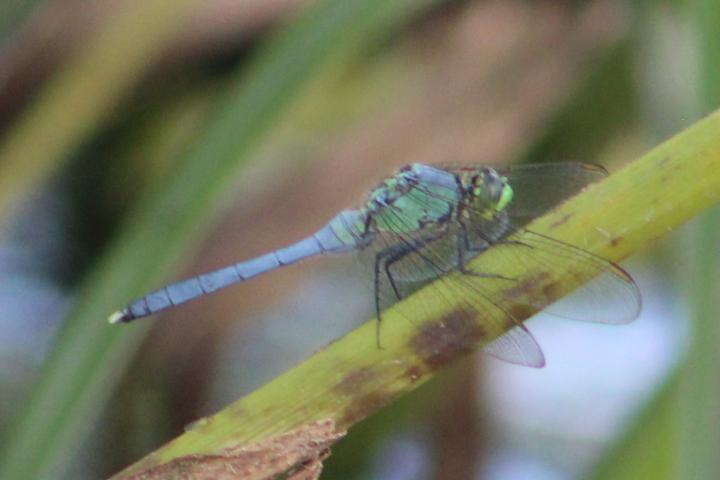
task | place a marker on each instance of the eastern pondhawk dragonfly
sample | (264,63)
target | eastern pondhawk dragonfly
(428,221)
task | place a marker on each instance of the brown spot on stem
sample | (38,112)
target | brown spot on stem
(414,373)
(364,395)
(454,335)
(521,312)
(550,291)
(364,406)
(297,454)
(528,286)
(355,380)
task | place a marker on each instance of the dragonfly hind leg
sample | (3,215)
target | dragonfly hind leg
(464,247)
(384,260)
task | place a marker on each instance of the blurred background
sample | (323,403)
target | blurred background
(142,142)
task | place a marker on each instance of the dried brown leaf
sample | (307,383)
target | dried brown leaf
(297,455)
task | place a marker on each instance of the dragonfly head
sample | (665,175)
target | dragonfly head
(487,186)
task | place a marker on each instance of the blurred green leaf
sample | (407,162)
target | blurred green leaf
(602,108)
(12,15)
(78,98)
(700,384)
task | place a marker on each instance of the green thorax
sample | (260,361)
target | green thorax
(417,196)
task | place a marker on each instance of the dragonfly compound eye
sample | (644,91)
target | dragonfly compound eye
(497,189)
(505,197)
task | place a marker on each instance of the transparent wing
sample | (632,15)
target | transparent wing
(540,187)
(418,262)
(607,293)
(537,188)
(421,260)
(517,346)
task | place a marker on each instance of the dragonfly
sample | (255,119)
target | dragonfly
(426,222)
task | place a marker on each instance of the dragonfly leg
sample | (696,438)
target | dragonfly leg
(464,247)
(385,259)
(399,252)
